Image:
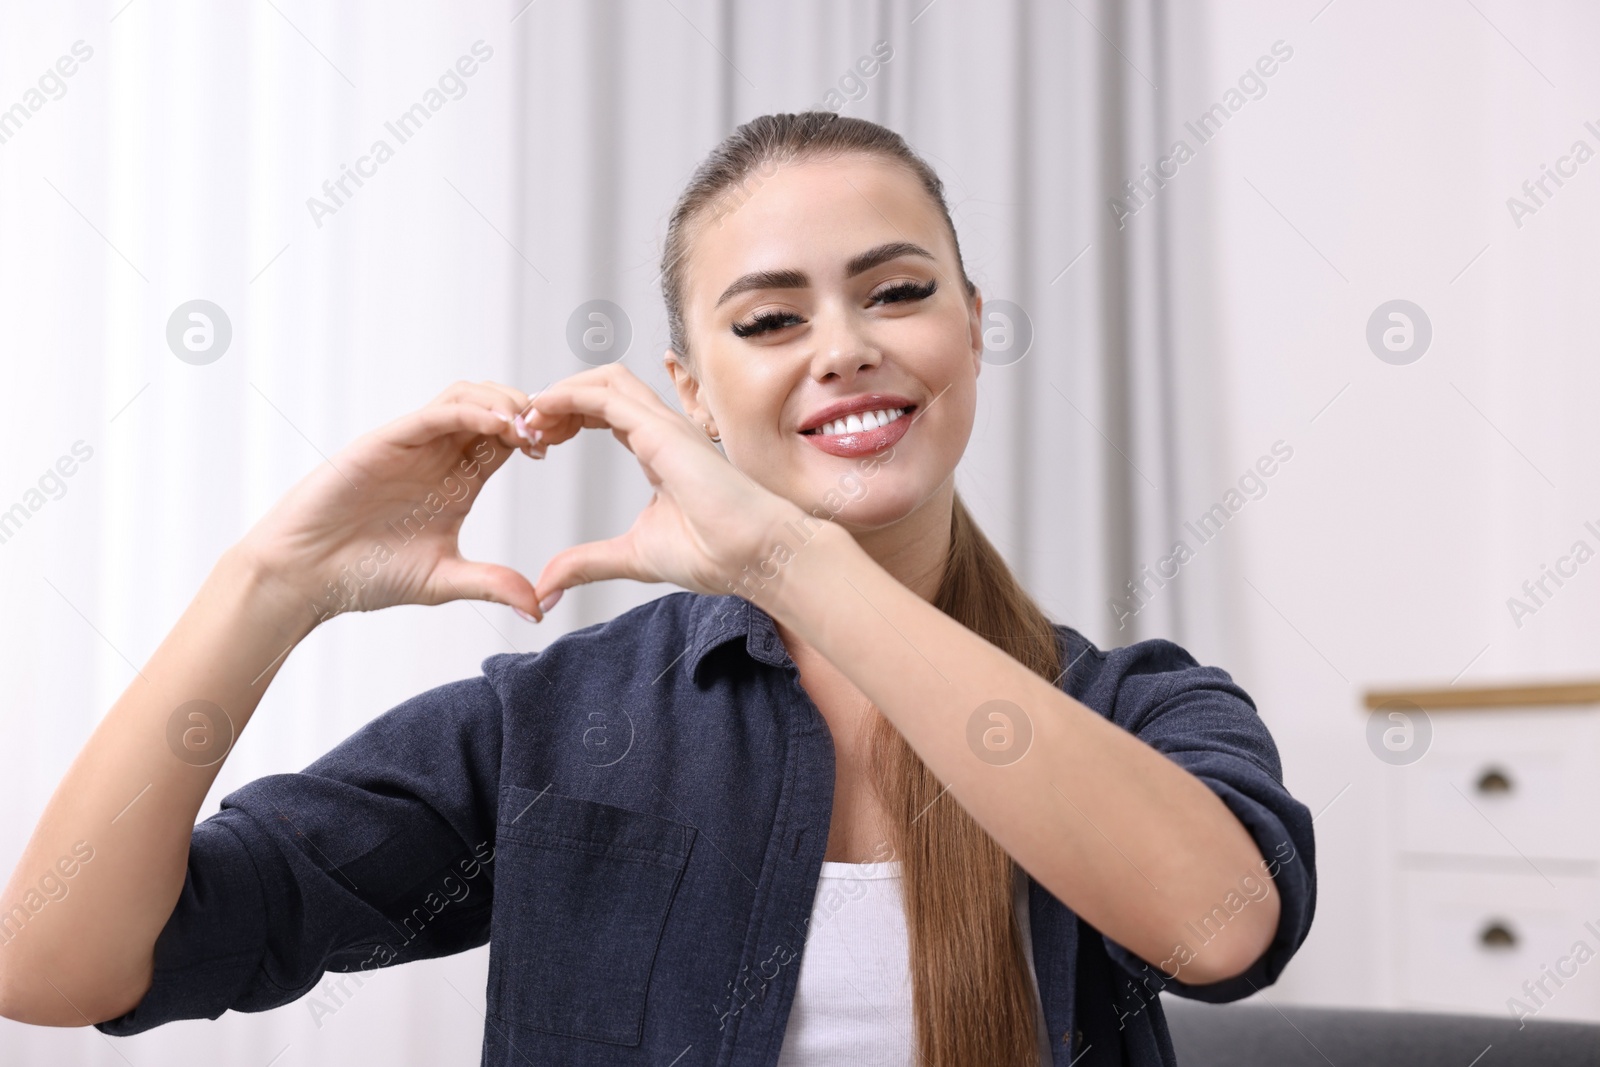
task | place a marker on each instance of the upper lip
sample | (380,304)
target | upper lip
(853,406)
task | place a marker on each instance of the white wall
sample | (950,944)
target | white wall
(1420,500)
(191,140)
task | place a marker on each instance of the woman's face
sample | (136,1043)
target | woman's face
(824,283)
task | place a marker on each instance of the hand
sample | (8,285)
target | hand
(707,520)
(377,525)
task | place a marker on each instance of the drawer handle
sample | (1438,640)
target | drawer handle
(1494,781)
(1497,935)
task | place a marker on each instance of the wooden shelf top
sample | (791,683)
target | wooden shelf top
(1527,694)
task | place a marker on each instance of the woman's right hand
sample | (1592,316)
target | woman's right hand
(377,525)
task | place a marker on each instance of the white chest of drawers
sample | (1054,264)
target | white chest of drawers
(1495,850)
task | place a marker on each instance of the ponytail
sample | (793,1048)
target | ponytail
(972,997)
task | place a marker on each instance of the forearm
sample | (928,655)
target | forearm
(1121,834)
(79,950)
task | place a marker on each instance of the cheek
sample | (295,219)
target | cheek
(941,358)
(938,347)
(758,401)
(957,416)
(746,393)
(749,403)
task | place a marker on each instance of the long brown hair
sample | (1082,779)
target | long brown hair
(971,995)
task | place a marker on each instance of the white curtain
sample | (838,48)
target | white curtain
(197,153)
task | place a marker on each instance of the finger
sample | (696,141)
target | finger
(594,561)
(500,454)
(506,401)
(528,440)
(532,444)
(485,392)
(613,375)
(469,580)
(436,420)
(518,398)
(439,418)
(624,381)
(563,409)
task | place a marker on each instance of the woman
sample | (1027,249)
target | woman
(714,829)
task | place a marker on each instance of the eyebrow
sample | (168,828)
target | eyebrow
(795,279)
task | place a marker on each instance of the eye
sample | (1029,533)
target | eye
(778,320)
(902,291)
(771,320)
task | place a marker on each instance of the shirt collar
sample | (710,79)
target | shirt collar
(716,620)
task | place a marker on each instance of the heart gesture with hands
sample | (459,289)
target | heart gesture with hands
(707,520)
(379,524)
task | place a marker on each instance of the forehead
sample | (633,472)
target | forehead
(810,216)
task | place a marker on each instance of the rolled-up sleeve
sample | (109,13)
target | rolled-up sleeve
(1200,719)
(379,852)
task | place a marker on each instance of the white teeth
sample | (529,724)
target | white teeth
(866,420)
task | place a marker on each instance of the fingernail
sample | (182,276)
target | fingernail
(522,429)
(524,615)
(502,416)
(550,601)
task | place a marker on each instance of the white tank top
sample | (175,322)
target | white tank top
(853,1002)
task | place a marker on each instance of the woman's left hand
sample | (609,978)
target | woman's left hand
(707,520)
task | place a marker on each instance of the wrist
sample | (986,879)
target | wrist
(263,588)
(800,551)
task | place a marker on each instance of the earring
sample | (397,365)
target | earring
(716,439)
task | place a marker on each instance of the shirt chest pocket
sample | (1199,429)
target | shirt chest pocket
(581,895)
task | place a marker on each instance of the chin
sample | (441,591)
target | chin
(869,503)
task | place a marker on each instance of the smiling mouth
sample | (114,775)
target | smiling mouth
(861,422)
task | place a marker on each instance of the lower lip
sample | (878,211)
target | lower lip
(864,443)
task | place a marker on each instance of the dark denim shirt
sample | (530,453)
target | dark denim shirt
(634,819)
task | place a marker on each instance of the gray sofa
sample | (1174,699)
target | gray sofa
(1255,1034)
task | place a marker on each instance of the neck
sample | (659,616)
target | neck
(913,550)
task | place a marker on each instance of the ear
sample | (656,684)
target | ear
(975,330)
(688,388)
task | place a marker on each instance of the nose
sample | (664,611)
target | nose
(842,347)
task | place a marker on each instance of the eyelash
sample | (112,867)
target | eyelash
(777,320)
